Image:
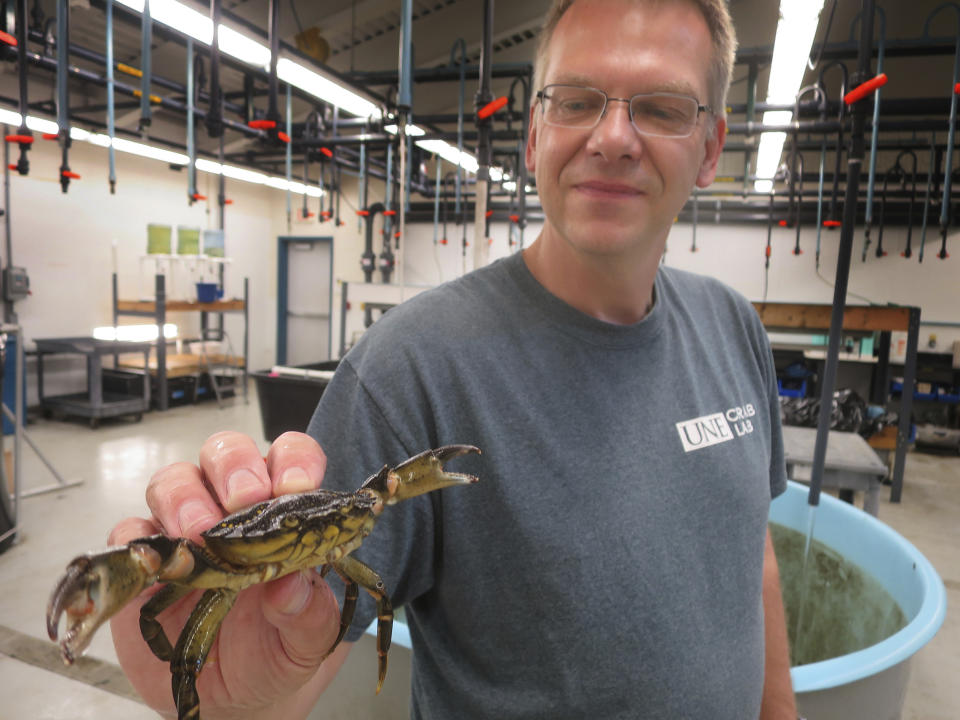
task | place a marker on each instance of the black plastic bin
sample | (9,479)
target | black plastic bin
(286,401)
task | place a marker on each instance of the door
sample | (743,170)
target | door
(304,298)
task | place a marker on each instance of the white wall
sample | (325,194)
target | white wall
(66,243)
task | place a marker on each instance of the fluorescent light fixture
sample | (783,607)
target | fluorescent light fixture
(243,48)
(231,42)
(148,151)
(42,125)
(324,88)
(791,50)
(134,333)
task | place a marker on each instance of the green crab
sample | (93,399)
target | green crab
(265,541)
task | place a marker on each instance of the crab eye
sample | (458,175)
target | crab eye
(290,521)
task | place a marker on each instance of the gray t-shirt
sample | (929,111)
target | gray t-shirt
(608,564)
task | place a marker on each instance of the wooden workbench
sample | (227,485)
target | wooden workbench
(804,317)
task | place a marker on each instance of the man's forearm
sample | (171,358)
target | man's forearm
(778,699)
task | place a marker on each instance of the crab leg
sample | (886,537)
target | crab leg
(346,613)
(362,575)
(194,643)
(150,627)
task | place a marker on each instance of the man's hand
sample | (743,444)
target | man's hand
(271,644)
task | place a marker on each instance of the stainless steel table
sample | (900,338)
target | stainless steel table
(851,464)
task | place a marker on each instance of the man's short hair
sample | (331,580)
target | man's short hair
(722,33)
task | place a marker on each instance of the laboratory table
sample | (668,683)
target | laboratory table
(95,403)
(851,464)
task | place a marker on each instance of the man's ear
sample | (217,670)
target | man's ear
(713,146)
(530,152)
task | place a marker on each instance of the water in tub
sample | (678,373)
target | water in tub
(833,607)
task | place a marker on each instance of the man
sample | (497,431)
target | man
(613,561)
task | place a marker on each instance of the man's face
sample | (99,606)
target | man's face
(610,190)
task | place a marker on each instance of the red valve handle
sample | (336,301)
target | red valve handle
(390,213)
(227,201)
(396,234)
(515,218)
(51,136)
(443,241)
(308,214)
(70,174)
(262,124)
(490,108)
(858,93)
(327,151)
(956,89)
(23,139)
(198,196)
(832,223)
(363,213)
(8,39)
(12,166)
(489,213)
(326,214)
(283,137)
(767,251)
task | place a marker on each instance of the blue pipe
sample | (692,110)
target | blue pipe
(191,140)
(948,160)
(463,79)
(868,219)
(110,107)
(145,113)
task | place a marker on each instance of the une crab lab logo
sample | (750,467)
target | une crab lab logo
(720,427)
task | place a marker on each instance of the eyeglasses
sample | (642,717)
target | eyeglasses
(659,114)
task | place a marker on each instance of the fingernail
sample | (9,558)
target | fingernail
(298,593)
(294,480)
(194,516)
(242,483)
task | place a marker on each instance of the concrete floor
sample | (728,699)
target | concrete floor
(115,462)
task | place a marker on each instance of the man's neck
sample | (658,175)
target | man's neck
(611,288)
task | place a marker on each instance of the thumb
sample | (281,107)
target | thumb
(305,613)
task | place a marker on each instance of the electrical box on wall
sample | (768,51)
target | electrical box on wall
(16,284)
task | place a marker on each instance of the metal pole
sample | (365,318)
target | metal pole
(855,157)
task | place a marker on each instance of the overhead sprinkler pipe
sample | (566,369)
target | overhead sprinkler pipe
(908,250)
(896,173)
(525,82)
(460,45)
(23,137)
(797,164)
(214,119)
(855,156)
(288,162)
(146,40)
(389,212)
(273,111)
(875,130)
(484,105)
(111,114)
(192,194)
(832,216)
(369,258)
(63,94)
(926,198)
(799,188)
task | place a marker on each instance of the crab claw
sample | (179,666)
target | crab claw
(94,587)
(422,473)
